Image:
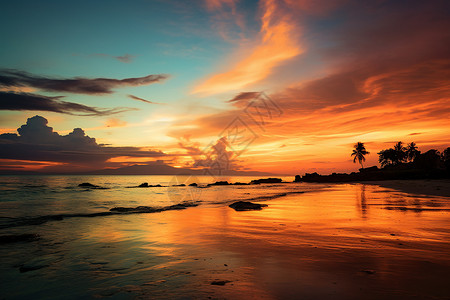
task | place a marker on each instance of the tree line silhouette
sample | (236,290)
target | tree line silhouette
(398,162)
(400,156)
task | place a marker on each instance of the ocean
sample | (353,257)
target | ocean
(318,241)
(40,196)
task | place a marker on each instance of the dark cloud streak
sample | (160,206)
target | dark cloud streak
(34,102)
(142,100)
(78,85)
(126,58)
(245,96)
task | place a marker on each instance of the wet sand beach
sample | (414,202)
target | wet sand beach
(435,187)
(343,241)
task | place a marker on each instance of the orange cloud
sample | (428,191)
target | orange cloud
(20,165)
(17,89)
(218,4)
(129,160)
(114,122)
(7,130)
(277,43)
(324,117)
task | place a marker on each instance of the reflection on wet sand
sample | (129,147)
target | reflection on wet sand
(337,243)
(362,202)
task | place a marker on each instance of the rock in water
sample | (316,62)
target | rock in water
(219,183)
(220,282)
(246,205)
(87,184)
(91,186)
(267,180)
(297,178)
(141,209)
(23,269)
(145,184)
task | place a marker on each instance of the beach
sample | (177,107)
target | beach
(435,187)
(333,241)
(224,149)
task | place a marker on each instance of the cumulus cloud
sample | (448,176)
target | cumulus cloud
(29,101)
(38,142)
(79,85)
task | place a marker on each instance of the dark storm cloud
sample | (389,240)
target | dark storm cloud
(27,101)
(79,85)
(38,142)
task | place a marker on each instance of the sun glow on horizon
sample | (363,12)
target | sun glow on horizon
(340,72)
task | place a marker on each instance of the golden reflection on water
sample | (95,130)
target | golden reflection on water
(348,241)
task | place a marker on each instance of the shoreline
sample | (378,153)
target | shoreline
(428,187)
(422,187)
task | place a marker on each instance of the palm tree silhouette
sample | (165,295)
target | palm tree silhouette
(387,157)
(411,151)
(359,153)
(401,152)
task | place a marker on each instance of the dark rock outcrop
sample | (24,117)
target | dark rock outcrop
(91,186)
(26,268)
(88,185)
(145,185)
(246,205)
(141,209)
(220,282)
(267,180)
(150,209)
(219,183)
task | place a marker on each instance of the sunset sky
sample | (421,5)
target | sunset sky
(164,80)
